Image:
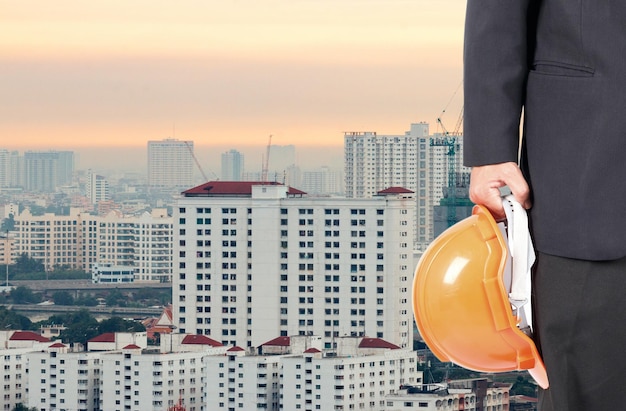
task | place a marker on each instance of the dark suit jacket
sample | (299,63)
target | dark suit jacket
(564,63)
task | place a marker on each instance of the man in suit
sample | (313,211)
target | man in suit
(557,69)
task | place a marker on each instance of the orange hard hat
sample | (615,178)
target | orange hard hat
(461,306)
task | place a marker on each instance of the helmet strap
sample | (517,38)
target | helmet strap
(519,262)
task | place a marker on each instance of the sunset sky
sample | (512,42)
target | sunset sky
(77,73)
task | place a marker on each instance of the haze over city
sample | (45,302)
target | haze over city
(95,76)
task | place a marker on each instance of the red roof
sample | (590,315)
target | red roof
(202,340)
(58,345)
(132,347)
(395,190)
(235,348)
(377,343)
(279,342)
(106,337)
(312,350)
(28,336)
(167,310)
(232,188)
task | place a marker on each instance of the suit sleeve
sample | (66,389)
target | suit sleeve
(498,42)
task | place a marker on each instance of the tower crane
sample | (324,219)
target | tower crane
(195,159)
(449,140)
(266,161)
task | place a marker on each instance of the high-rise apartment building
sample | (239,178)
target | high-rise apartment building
(96,187)
(16,169)
(254,261)
(44,171)
(323,180)
(170,163)
(7,250)
(232,165)
(80,240)
(56,240)
(5,168)
(415,160)
(373,162)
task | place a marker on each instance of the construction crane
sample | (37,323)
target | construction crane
(196,161)
(266,161)
(449,140)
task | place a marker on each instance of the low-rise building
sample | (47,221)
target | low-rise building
(106,273)
(435,397)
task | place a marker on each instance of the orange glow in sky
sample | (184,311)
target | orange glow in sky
(105,73)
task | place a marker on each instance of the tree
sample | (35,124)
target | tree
(118,324)
(81,327)
(524,387)
(63,298)
(25,264)
(22,407)
(86,300)
(10,320)
(8,224)
(116,299)
(23,295)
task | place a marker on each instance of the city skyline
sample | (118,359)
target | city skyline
(83,75)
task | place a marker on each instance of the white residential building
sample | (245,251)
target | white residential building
(97,188)
(44,171)
(170,163)
(14,381)
(14,347)
(118,373)
(61,380)
(294,373)
(58,240)
(232,165)
(415,160)
(143,242)
(359,376)
(323,180)
(81,240)
(11,169)
(255,260)
(243,382)
(374,162)
(106,273)
(7,249)
(138,381)
(5,168)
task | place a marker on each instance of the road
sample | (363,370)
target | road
(38,312)
(83,285)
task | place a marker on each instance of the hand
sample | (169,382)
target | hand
(485,181)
